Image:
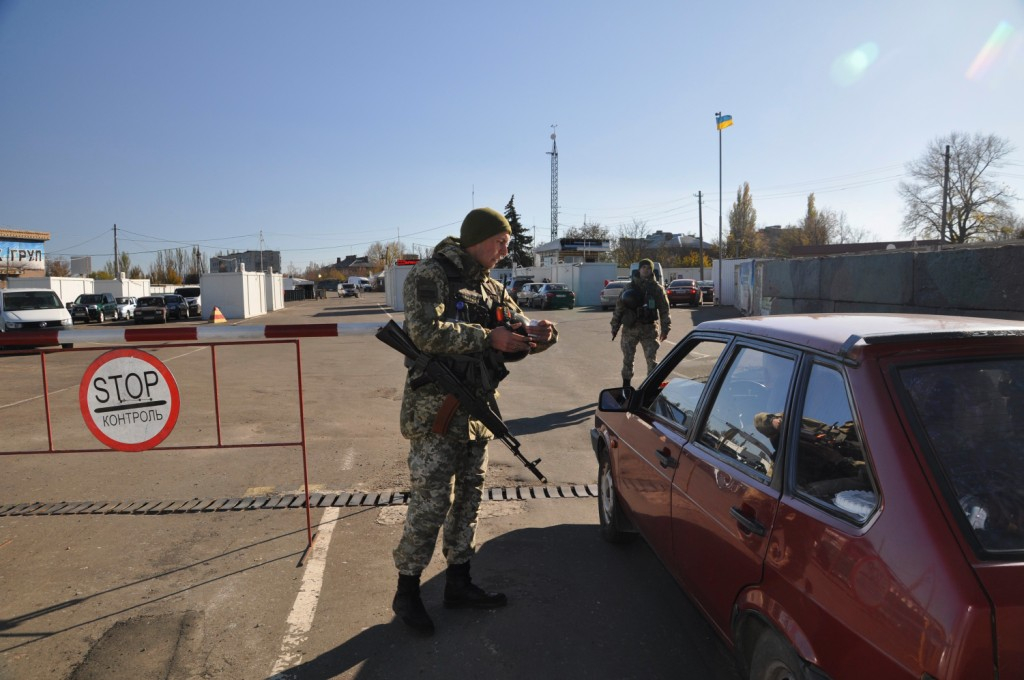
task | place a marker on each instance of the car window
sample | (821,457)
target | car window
(677,399)
(23,300)
(829,463)
(556,286)
(756,383)
(972,417)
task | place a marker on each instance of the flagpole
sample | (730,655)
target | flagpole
(721,243)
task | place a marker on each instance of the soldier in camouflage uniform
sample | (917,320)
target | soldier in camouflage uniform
(455,312)
(640,311)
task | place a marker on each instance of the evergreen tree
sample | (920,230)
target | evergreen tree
(520,248)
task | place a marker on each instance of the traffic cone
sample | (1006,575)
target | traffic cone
(217,316)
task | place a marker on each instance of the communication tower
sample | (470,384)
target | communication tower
(554,184)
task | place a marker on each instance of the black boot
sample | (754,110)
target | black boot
(625,383)
(408,606)
(460,593)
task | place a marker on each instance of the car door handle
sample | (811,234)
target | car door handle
(747,524)
(665,458)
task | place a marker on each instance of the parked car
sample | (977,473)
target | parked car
(32,309)
(707,288)
(516,284)
(878,534)
(553,296)
(152,308)
(126,307)
(348,290)
(610,293)
(683,291)
(194,296)
(94,307)
(177,306)
(526,293)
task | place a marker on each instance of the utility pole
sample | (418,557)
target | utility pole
(945,198)
(117,262)
(554,184)
(700,218)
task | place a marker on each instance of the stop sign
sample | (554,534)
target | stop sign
(129,400)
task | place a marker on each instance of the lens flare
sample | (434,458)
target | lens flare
(992,50)
(848,68)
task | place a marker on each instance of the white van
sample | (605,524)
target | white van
(32,309)
(361,282)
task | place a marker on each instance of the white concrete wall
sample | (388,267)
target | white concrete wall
(394,281)
(274,291)
(67,288)
(124,287)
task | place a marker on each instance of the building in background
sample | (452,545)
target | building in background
(22,253)
(254,261)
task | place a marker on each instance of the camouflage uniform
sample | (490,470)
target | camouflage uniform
(642,325)
(447,470)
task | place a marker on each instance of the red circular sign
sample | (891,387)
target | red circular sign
(129,400)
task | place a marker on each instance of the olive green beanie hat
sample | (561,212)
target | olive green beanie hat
(481,224)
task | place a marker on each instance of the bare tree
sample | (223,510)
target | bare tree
(384,254)
(632,242)
(978,208)
(58,267)
(742,240)
(589,230)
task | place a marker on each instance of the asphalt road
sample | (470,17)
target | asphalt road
(139,565)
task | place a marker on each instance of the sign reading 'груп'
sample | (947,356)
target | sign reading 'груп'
(129,400)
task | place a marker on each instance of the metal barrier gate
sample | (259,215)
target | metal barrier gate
(111,348)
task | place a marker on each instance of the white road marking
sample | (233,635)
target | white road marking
(300,620)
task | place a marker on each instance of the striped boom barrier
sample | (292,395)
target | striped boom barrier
(204,333)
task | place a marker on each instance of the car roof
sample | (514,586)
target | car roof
(840,333)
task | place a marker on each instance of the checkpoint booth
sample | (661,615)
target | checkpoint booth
(394,281)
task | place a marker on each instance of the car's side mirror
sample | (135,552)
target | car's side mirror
(614,399)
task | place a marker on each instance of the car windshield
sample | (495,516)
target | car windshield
(972,417)
(557,286)
(614,284)
(91,299)
(123,301)
(31,299)
(682,283)
(188,292)
(151,302)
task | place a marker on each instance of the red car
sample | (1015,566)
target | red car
(684,291)
(880,534)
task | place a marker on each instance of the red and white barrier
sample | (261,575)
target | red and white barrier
(203,333)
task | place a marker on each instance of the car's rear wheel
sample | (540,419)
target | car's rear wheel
(615,527)
(774,659)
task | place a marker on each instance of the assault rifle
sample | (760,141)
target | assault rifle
(434,371)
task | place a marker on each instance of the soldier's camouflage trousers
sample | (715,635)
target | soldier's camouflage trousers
(446,485)
(646,334)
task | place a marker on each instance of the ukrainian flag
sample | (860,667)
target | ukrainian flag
(723,121)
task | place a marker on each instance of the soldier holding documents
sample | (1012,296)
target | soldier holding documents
(457,314)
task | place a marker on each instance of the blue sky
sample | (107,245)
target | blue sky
(327,126)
